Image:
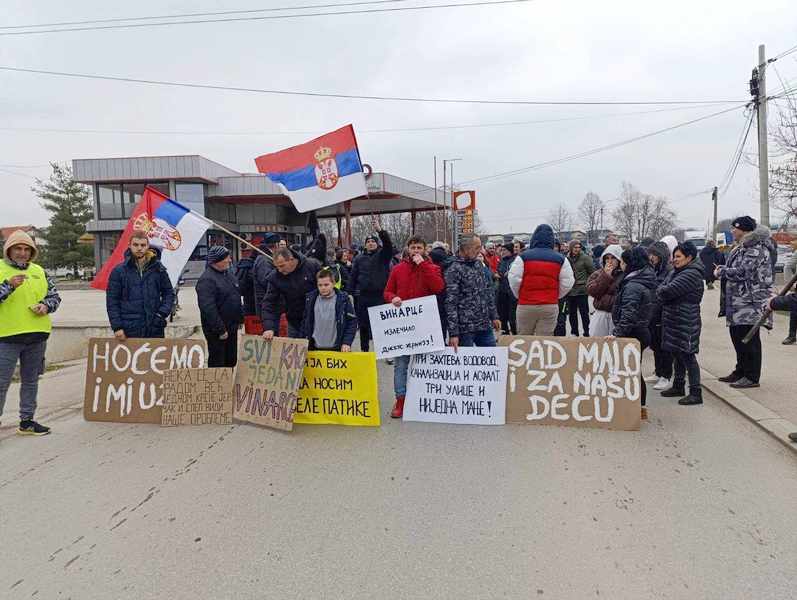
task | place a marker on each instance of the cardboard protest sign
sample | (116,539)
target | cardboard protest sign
(197,397)
(412,328)
(580,382)
(267,377)
(338,388)
(124,380)
(466,387)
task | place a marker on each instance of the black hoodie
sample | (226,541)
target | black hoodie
(633,304)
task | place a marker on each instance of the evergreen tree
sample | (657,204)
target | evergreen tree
(70,209)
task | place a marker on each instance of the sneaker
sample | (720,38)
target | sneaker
(691,400)
(744,383)
(29,427)
(662,384)
(789,341)
(652,378)
(732,378)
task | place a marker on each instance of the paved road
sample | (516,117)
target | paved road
(699,504)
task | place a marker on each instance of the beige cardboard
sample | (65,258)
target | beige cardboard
(197,397)
(561,381)
(124,380)
(267,379)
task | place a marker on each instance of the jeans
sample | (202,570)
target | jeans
(748,356)
(507,311)
(223,353)
(31,366)
(364,301)
(480,339)
(686,363)
(578,305)
(661,358)
(400,366)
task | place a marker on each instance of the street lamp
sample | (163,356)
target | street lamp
(445,163)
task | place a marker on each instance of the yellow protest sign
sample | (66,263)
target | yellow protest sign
(338,388)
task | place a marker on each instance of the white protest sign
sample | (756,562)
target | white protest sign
(412,328)
(464,387)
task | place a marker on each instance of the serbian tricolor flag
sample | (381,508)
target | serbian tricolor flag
(319,173)
(171,228)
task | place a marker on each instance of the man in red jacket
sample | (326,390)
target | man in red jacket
(414,277)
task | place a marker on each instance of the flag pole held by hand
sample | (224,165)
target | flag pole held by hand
(768,311)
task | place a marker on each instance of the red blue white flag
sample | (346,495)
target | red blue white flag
(170,227)
(322,172)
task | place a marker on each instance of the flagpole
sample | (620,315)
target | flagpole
(230,233)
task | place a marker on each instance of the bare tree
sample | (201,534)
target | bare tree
(783,176)
(560,219)
(639,215)
(591,213)
(625,215)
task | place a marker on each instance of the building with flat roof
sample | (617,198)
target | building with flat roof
(248,204)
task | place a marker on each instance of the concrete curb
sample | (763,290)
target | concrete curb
(769,421)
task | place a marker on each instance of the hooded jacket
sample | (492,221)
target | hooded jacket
(370,270)
(540,275)
(711,257)
(662,270)
(288,291)
(747,279)
(632,306)
(408,280)
(602,286)
(345,319)
(138,301)
(680,296)
(219,300)
(470,297)
(583,267)
(18,324)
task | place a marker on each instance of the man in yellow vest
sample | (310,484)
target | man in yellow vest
(27,297)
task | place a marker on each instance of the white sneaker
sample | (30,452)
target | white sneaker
(652,378)
(662,384)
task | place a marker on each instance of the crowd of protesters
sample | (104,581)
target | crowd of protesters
(651,291)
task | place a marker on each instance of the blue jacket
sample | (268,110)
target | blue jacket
(139,303)
(345,318)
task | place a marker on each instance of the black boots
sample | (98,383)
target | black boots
(695,397)
(675,391)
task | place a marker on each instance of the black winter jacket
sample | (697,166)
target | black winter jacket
(246,284)
(503,271)
(262,268)
(139,303)
(680,296)
(345,319)
(662,270)
(632,306)
(219,300)
(288,291)
(370,270)
(711,257)
(470,298)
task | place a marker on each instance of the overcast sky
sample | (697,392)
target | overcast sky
(542,50)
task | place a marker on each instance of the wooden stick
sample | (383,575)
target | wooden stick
(240,239)
(768,311)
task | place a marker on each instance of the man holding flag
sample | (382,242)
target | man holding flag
(146,265)
(140,295)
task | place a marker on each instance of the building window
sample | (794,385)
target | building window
(221,211)
(191,195)
(108,242)
(117,201)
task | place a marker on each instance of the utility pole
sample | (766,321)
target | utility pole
(445,212)
(451,203)
(758,88)
(436,210)
(453,213)
(714,224)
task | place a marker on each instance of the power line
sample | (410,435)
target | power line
(784,53)
(571,157)
(363,97)
(269,17)
(197,14)
(730,173)
(359,131)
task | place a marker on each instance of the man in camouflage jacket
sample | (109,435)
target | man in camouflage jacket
(746,288)
(470,299)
